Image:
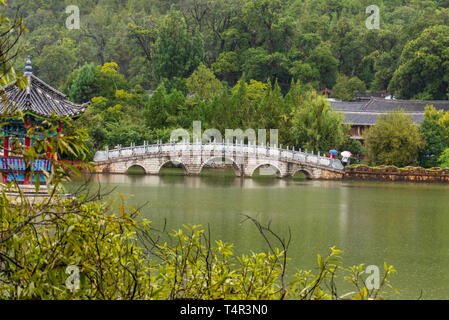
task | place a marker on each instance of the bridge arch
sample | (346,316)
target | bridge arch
(137,166)
(238,172)
(306,172)
(174,162)
(278,172)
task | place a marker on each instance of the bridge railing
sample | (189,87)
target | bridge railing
(273,152)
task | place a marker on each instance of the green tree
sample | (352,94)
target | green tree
(423,69)
(177,53)
(227,66)
(348,44)
(96,130)
(178,110)
(243,106)
(443,122)
(100,28)
(322,59)
(394,140)
(433,135)
(270,110)
(157,110)
(443,160)
(203,84)
(315,126)
(260,65)
(108,80)
(140,72)
(56,62)
(268,26)
(83,86)
(305,73)
(254,89)
(384,67)
(346,88)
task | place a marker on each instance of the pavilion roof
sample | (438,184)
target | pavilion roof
(39,98)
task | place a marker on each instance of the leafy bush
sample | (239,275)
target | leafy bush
(444,159)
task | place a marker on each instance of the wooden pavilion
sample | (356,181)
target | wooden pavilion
(39,103)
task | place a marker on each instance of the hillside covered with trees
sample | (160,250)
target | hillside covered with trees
(150,66)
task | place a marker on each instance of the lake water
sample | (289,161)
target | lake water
(405,225)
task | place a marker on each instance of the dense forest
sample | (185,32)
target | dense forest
(149,66)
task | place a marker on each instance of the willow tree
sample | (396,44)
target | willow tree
(315,126)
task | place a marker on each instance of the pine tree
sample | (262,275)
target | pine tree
(82,89)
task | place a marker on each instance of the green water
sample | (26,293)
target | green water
(405,225)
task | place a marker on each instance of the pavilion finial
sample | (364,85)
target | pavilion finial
(28,67)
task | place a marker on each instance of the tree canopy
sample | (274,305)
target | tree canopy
(394,140)
(150,66)
(432,132)
(312,41)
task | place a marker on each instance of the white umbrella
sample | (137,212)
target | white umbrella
(346,154)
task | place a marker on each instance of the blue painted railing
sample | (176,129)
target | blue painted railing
(15,168)
(18,164)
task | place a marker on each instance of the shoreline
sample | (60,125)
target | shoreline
(394,174)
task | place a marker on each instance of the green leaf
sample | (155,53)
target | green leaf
(320,262)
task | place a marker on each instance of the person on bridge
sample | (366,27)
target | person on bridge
(332,154)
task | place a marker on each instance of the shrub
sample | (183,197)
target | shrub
(394,140)
(444,159)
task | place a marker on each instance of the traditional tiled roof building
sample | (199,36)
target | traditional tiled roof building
(36,103)
(363,114)
(38,99)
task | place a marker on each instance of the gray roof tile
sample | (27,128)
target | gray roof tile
(40,99)
(367,112)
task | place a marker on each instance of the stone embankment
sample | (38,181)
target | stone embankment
(391,173)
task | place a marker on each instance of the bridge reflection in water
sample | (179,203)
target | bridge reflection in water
(212,181)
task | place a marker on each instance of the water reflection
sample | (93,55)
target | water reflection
(343,206)
(194,182)
(220,180)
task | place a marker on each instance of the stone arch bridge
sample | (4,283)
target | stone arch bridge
(245,159)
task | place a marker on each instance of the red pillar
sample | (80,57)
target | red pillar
(6,147)
(5,154)
(48,148)
(27,146)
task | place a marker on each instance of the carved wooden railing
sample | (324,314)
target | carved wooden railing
(17,164)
